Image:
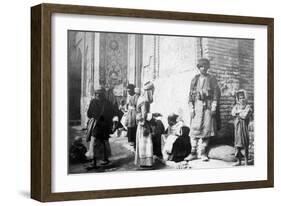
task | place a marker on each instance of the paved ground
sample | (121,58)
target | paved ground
(122,158)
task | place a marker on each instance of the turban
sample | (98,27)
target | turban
(131,87)
(148,86)
(203,62)
(173,117)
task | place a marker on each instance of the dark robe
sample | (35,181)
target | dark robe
(181,148)
(202,95)
(101,111)
(157,129)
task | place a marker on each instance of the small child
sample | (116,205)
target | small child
(241,113)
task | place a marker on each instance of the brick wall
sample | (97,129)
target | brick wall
(246,62)
(232,62)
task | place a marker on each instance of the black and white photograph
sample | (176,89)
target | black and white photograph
(139,102)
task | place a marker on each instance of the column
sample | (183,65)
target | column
(97,60)
(139,61)
(131,58)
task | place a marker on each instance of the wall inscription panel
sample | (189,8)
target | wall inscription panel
(113,61)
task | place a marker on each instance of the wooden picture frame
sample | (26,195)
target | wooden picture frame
(41,98)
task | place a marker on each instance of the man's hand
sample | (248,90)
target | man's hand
(214,108)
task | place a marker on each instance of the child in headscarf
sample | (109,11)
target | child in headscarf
(241,112)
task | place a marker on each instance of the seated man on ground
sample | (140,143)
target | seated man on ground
(177,146)
(171,132)
(182,146)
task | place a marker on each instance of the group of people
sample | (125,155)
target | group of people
(146,133)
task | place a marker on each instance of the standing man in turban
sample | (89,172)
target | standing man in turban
(203,100)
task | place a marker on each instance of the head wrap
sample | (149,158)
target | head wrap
(148,91)
(239,92)
(148,86)
(203,62)
(185,131)
(173,117)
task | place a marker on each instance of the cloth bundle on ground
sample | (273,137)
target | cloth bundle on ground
(221,145)
(222,152)
(77,151)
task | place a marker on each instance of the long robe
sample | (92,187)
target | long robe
(157,129)
(203,97)
(144,145)
(131,118)
(181,149)
(100,113)
(241,122)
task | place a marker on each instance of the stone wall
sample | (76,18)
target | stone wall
(246,63)
(170,63)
